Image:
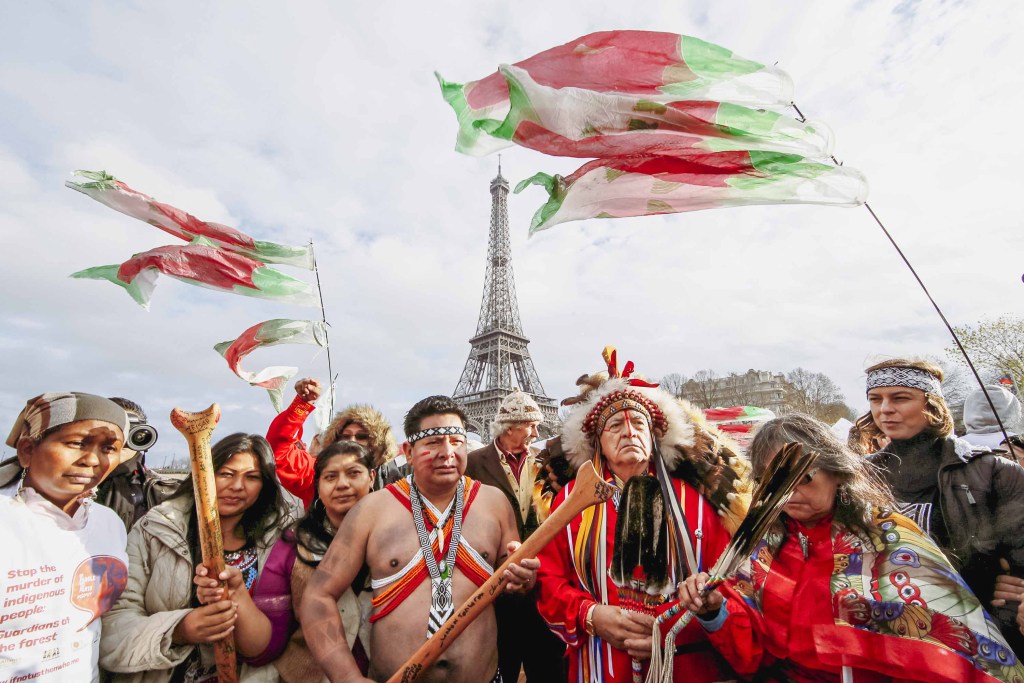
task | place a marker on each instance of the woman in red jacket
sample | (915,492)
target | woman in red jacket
(359,423)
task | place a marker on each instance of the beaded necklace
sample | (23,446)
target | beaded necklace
(441,604)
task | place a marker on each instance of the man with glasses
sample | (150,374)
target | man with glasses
(510,464)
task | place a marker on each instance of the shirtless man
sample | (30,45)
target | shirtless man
(410,598)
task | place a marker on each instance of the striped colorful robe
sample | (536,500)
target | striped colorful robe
(575,565)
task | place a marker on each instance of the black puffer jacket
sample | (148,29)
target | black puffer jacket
(982,505)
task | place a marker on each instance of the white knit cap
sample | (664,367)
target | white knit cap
(519,407)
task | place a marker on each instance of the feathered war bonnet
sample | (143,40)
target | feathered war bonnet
(687,447)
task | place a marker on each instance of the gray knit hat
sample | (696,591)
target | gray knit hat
(981,424)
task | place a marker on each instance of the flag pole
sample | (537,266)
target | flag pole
(323,316)
(928,294)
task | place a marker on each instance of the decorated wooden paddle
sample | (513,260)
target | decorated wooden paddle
(589,490)
(196,428)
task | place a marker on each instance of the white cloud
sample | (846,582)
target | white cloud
(322,121)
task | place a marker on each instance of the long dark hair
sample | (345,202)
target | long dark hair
(268,511)
(860,490)
(311,532)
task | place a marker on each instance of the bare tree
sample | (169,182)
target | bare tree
(996,345)
(958,382)
(831,413)
(704,390)
(673,383)
(815,394)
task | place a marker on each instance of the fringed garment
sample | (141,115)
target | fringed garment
(574,574)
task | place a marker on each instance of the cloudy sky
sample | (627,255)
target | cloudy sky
(323,121)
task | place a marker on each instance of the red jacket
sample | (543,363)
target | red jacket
(294,463)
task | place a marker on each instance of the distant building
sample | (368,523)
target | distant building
(753,388)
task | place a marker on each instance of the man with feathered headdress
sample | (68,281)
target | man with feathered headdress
(682,492)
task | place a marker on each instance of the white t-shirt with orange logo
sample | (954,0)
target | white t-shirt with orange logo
(58,575)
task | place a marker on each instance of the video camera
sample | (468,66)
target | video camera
(141,436)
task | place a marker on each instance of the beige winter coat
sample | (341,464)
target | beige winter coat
(136,642)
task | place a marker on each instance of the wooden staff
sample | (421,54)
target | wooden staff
(589,490)
(196,428)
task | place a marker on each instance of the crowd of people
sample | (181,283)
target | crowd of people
(898,557)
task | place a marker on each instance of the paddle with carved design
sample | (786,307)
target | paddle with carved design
(589,490)
(196,428)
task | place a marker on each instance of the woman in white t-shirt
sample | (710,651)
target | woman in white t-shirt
(63,563)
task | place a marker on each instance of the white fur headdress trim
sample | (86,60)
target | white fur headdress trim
(580,448)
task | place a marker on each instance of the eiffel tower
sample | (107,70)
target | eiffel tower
(499,360)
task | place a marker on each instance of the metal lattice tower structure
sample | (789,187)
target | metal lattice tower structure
(499,360)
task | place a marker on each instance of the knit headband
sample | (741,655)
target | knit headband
(913,378)
(58,408)
(435,431)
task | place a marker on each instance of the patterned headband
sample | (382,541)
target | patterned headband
(905,377)
(619,401)
(435,431)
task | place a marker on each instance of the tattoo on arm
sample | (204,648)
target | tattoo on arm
(321,623)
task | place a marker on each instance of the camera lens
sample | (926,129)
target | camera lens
(141,437)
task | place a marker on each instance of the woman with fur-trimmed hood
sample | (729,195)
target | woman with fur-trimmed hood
(682,491)
(361,423)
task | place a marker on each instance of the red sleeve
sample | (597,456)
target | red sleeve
(561,601)
(739,640)
(294,464)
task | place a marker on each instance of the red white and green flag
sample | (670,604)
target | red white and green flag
(738,414)
(674,124)
(202,263)
(271,333)
(644,186)
(739,422)
(651,65)
(579,122)
(108,190)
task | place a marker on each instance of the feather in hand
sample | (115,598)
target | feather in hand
(771,494)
